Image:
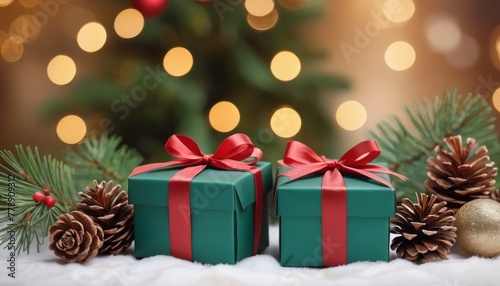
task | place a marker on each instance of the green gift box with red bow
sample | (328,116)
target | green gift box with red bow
(333,212)
(204,208)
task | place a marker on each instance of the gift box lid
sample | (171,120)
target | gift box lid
(212,188)
(365,197)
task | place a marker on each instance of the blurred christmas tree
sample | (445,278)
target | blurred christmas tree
(145,94)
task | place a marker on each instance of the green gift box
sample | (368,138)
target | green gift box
(370,206)
(222,213)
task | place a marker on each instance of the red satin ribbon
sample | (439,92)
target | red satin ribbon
(333,188)
(228,156)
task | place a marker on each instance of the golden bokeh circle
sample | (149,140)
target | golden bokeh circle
(496,99)
(129,23)
(92,37)
(224,116)
(61,69)
(4,3)
(398,11)
(263,23)
(286,122)
(178,61)
(12,49)
(71,129)
(351,115)
(259,8)
(285,66)
(400,56)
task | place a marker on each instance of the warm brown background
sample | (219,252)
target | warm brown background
(24,84)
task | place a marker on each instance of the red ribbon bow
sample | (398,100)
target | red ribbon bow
(333,188)
(229,156)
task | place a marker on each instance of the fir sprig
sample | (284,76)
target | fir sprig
(103,157)
(20,178)
(23,221)
(407,148)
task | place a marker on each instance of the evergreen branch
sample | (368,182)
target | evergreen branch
(102,158)
(452,114)
(22,219)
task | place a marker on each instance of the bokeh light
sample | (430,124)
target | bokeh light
(465,55)
(263,23)
(61,70)
(71,129)
(494,49)
(28,3)
(26,27)
(178,61)
(442,33)
(398,11)
(285,66)
(351,115)
(224,116)
(259,8)
(399,56)
(129,23)
(12,49)
(92,37)
(496,99)
(3,36)
(4,3)
(286,122)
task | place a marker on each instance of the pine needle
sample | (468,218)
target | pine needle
(102,158)
(448,115)
(24,221)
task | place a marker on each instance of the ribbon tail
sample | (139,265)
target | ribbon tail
(149,167)
(258,218)
(157,166)
(384,170)
(367,174)
(334,219)
(179,212)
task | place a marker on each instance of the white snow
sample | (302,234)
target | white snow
(45,268)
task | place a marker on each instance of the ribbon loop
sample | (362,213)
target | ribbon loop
(361,154)
(183,147)
(355,161)
(237,147)
(298,154)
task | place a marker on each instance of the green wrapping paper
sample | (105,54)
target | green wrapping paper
(370,206)
(222,213)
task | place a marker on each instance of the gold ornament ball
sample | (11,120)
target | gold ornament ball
(478,227)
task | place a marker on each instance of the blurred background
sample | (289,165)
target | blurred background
(323,72)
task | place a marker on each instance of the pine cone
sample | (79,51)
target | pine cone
(109,208)
(75,237)
(495,195)
(426,231)
(462,175)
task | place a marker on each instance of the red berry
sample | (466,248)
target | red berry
(150,8)
(38,197)
(50,201)
(46,191)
